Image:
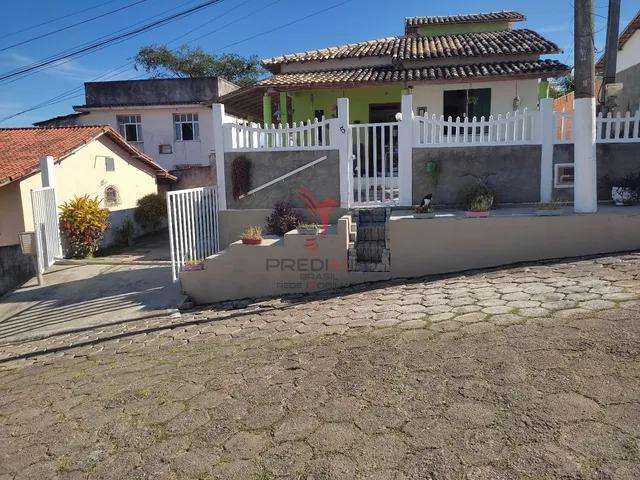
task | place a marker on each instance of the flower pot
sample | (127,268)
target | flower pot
(549,213)
(309,231)
(251,241)
(424,215)
(470,214)
(621,195)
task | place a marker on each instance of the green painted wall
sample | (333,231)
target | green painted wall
(306,102)
(431,30)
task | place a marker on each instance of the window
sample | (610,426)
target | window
(109,164)
(467,103)
(130,127)
(563,175)
(186,126)
(111,197)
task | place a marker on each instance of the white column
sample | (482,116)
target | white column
(585,191)
(47,171)
(547,139)
(339,132)
(405,150)
(218,149)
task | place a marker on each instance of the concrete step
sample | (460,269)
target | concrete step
(369,251)
(370,232)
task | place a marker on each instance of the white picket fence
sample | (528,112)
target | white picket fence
(245,136)
(564,127)
(193,226)
(46,227)
(375,163)
(610,128)
(514,128)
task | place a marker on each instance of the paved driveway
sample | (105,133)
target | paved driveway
(528,372)
(86,296)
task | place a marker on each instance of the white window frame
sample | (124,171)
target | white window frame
(180,119)
(556,175)
(130,119)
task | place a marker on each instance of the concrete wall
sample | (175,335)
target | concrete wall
(232,223)
(15,268)
(442,245)
(194,176)
(322,179)
(614,160)
(11,214)
(156,91)
(513,171)
(629,54)
(629,98)
(84,173)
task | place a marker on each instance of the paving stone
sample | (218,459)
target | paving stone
(596,305)
(506,319)
(471,317)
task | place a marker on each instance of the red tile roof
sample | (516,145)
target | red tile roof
(458,45)
(22,148)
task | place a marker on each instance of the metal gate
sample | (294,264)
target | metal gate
(375,163)
(192,216)
(46,227)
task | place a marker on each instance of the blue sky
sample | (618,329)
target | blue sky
(353,21)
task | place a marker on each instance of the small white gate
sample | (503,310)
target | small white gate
(375,163)
(45,225)
(192,216)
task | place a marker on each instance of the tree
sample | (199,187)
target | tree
(160,61)
(561,86)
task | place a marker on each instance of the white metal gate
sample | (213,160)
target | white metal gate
(46,227)
(375,163)
(193,226)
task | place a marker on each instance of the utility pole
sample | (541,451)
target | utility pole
(611,52)
(585,192)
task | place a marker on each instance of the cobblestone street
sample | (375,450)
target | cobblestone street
(523,372)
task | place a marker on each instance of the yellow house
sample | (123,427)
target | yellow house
(93,160)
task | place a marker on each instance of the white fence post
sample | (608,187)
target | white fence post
(405,149)
(218,149)
(339,132)
(547,136)
(585,191)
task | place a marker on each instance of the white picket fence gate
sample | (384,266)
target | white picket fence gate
(245,136)
(192,216)
(46,226)
(514,128)
(375,163)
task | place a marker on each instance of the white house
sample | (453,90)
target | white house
(168,119)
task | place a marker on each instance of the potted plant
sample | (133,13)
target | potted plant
(554,207)
(625,191)
(425,209)
(252,236)
(478,200)
(309,229)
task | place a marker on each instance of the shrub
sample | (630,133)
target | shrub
(283,219)
(253,233)
(125,233)
(82,224)
(150,212)
(478,197)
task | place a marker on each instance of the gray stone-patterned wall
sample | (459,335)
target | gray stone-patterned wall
(629,98)
(15,268)
(322,179)
(513,171)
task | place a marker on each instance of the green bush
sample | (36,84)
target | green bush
(150,212)
(478,197)
(82,225)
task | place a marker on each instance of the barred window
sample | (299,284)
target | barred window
(186,126)
(130,127)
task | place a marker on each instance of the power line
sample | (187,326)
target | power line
(67,27)
(55,100)
(110,40)
(26,29)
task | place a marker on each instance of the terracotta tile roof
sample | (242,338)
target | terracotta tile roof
(359,76)
(477,44)
(22,148)
(509,16)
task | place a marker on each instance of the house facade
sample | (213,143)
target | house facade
(459,66)
(90,160)
(167,119)
(628,67)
